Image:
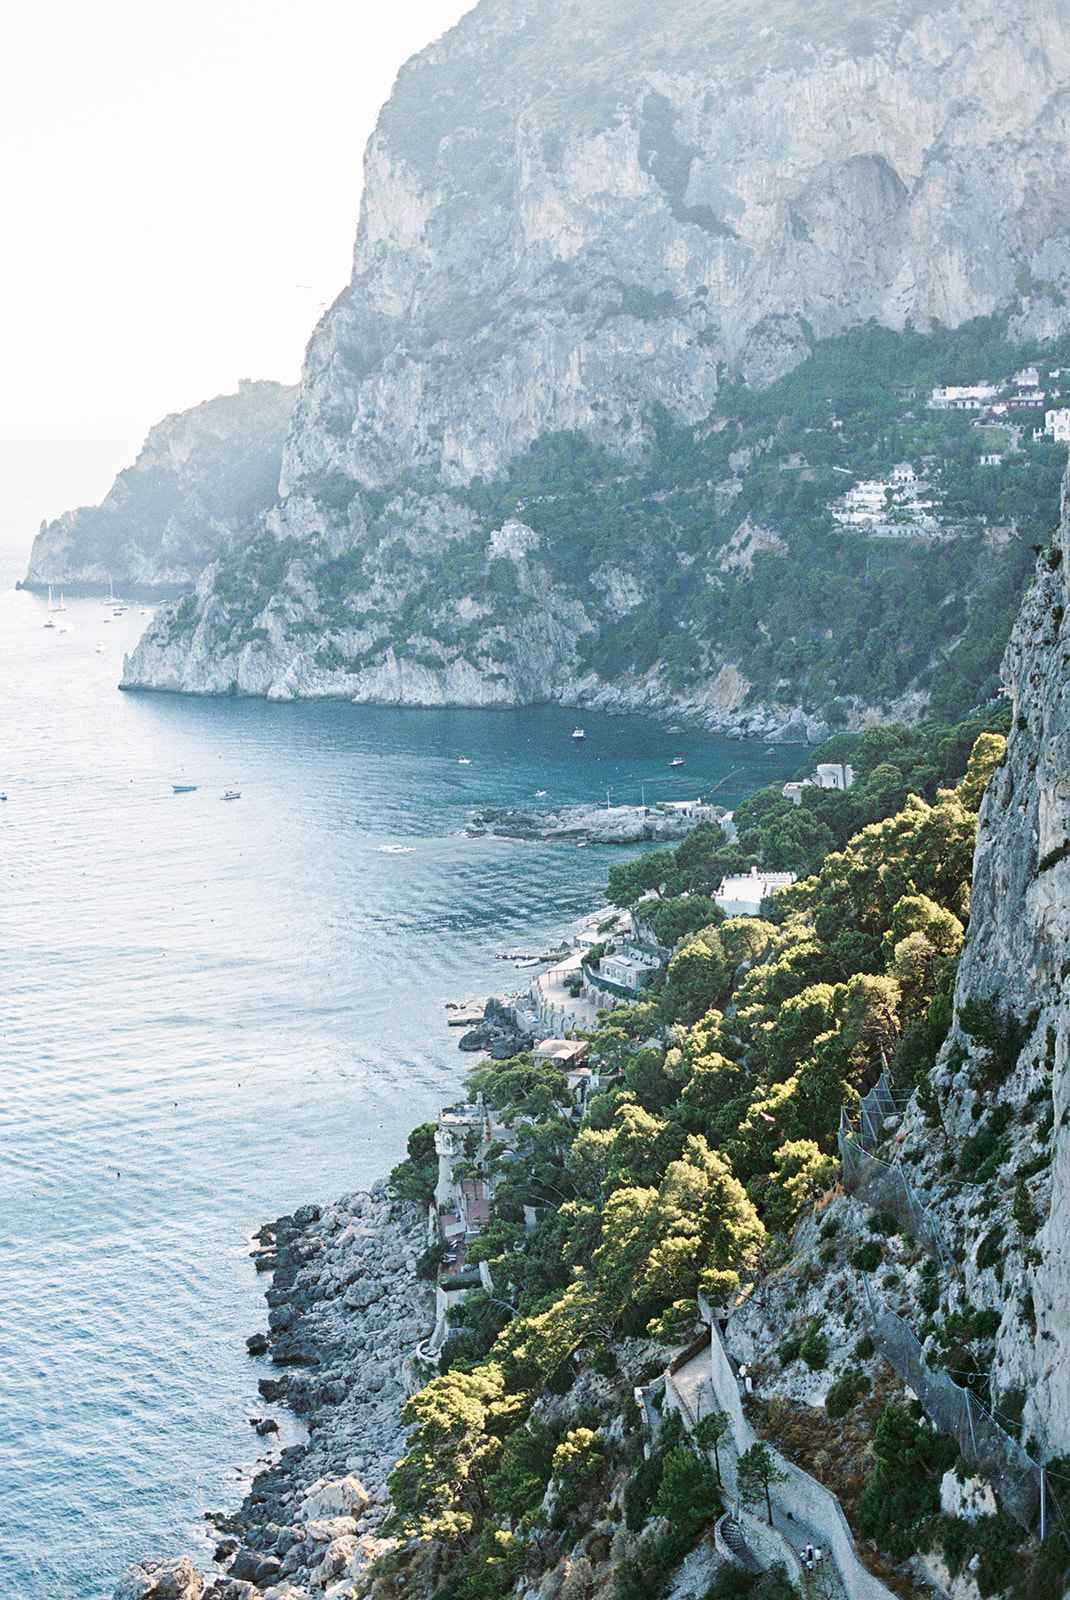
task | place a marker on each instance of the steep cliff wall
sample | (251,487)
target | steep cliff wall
(583,226)
(985,1142)
(1017,957)
(202,477)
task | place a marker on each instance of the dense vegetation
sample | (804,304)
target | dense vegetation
(811,613)
(714,1129)
(832,613)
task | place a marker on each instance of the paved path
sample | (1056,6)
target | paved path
(694,1386)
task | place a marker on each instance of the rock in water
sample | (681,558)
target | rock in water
(161,1580)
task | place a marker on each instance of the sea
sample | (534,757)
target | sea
(212,1012)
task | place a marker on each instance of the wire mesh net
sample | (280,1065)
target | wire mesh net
(1019,1481)
(884,1186)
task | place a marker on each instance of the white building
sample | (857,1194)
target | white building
(629,968)
(904,473)
(963,397)
(991,459)
(827,775)
(834,775)
(1028,378)
(741,895)
(1057,424)
(696,810)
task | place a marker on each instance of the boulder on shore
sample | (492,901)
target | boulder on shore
(161,1580)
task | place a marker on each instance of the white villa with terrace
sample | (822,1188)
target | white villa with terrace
(741,895)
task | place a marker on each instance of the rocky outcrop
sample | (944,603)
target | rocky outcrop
(345,1310)
(580,227)
(161,1580)
(202,477)
(584,824)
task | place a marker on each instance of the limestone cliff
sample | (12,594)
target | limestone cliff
(202,477)
(584,225)
(1017,957)
(984,1145)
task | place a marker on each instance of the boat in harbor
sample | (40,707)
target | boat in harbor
(231,794)
(540,794)
(463,761)
(677,761)
(579,733)
(183,788)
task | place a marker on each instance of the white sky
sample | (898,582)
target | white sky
(171,173)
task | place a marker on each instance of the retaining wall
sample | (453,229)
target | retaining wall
(799,1494)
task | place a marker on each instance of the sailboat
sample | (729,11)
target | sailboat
(50,621)
(61,606)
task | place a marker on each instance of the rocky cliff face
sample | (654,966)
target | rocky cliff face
(985,1146)
(202,477)
(1017,956)
(583,224)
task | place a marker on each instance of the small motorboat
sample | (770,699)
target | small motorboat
(677,761)
(183,788)
(540,794)
(231,794)
(582,845)
(49,622)
(100,649)
(395,849)
(3,796)
(579,733)
(463,761)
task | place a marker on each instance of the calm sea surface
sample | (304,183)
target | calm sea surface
(210,1013)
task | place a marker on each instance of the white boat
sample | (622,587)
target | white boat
(677,761)
(463,761)
(100,649)
(579,733)
(50,621)
(231,794)
(395,849)
(540,794)
(62,605)
(64,627)
(183,788)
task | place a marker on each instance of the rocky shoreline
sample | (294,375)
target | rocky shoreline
(582,824)
(345,1313)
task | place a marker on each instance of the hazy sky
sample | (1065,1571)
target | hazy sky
(179,182)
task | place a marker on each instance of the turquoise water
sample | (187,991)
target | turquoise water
(210,1013)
